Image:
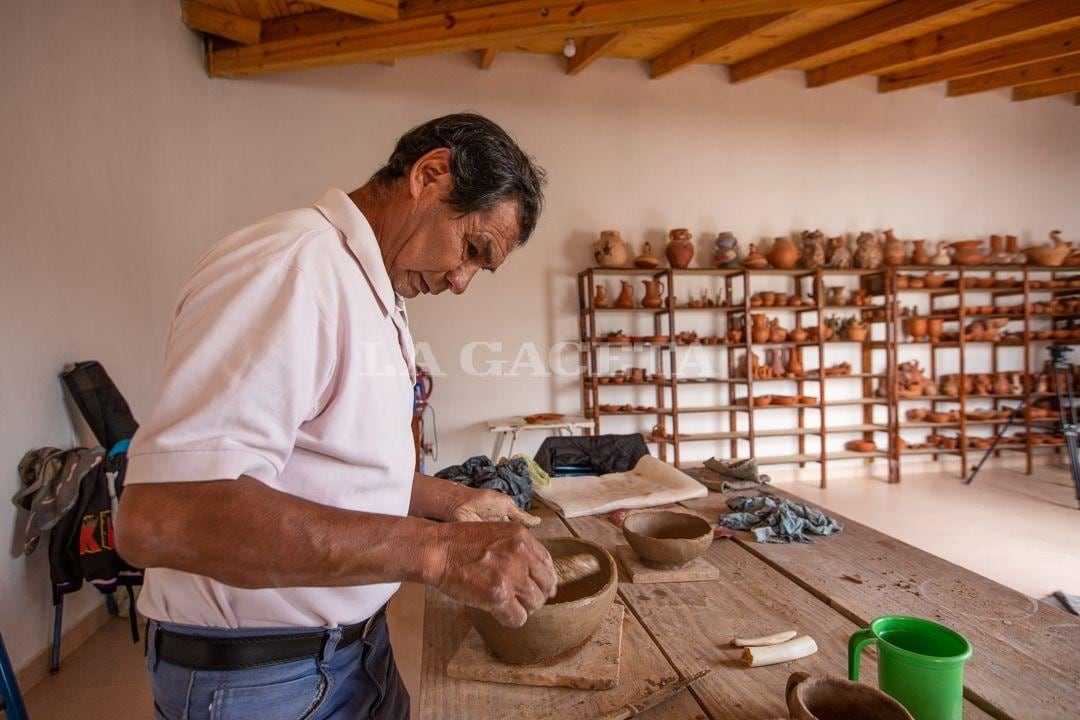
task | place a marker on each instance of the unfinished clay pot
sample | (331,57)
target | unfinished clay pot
(667,539)
(831,698)
(566,621)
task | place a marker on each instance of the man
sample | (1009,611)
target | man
(271,490)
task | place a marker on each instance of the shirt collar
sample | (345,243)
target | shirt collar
(343,214)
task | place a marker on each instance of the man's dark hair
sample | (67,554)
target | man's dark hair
(486,166)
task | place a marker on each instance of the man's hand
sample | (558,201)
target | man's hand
(490,506)
(495,566)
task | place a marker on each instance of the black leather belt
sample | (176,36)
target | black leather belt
(198,652)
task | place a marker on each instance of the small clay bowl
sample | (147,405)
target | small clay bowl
(768,298)
(807,400)
(566,622)
(666,539)
(937,417)
(861,445)
(916,414)
(784,399)
(762,401)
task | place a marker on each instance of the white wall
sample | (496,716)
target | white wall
(122,162)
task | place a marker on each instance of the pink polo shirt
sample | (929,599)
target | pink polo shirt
(289,360)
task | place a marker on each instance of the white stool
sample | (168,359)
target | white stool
(510,427)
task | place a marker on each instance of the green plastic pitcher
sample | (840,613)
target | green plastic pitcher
(920,663)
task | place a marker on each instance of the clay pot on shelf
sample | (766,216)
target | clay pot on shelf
(967,252)
(894,249)
(726,251)
(858,332)
(777,334)
(795,365)
(626,297)
(942,257)
(798,335)
(601,299)
(760,330)
(783,255)
(916,327)
(646,259)
(755,260)
(919,255)
(834,295)
(934,328)
(637,375)
(776,361)
(565,621)
(659,431)
(1012,249)
(813,250)
(916,414)
(868,252)
(1053,256)
(610,250)
(735,335)
(860,445)
(654,290)
(827,698)
(680,249)
(903,282)
(934,280)
(762,401)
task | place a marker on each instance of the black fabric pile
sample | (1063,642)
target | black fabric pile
(776,520)
(595,454)
(510,477)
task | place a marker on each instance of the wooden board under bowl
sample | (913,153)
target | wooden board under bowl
(640,573)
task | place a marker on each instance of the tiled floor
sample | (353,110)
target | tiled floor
(1022,531)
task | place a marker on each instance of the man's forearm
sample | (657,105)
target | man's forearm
(436,498)
(246,534)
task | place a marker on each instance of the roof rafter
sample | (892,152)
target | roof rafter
(481,27)
(1041,48)
(589,51)
(1020,75)
(708,42)
(1002,24)
(487,57)
(876,22)
(212,21)
(378,10)
(1061,86)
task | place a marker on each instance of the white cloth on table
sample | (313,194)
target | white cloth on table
(652,482)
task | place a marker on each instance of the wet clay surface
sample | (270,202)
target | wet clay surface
(566,621)
(667,539)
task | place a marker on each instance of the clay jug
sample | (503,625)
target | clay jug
(798,335)
(646,259)
(795,365)
(601,300)
(894,249)
(919,256)
(610,250)
(777,334)
(934,327)
(654,289)
(829,698)
(942,257)
(783,254)
(759,333)
(680,249)
(626,297)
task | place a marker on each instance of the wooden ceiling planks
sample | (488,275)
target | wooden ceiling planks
(709,42)
(1043,70)
(1049,88)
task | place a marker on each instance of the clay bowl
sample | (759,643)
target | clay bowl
(784,399)
(762,401)
(667,539)
(1048,256)
(916,414)
(933,280)
(937,417)
(831,698)
(807,400)
(965,245)
(861,445)
(566,621)
(987,282)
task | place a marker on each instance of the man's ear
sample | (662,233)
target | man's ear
(431,170)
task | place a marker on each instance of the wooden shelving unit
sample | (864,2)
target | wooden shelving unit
(882,416)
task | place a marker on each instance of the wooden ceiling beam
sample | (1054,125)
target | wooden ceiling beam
(708,43)
(589,51)
(487,57)
(212,21)
(1061,86)
(481,27)
(1020,75)
(377,10)
(996,58)
(1029,16)
(893,16)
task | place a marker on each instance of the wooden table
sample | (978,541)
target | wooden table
(1026,661)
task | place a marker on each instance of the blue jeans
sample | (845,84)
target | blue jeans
(359,680)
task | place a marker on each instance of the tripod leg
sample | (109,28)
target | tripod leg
(997,438)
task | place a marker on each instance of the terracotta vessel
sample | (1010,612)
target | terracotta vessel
(783,254)
(667,539)
(868,252)
(1002,386)
(566,621)
(626,297)
(646,259)
(858,332)
(833,698)
(861,445)
(726,251)
(654,290)
(813,250)
(834,295)
(775,359)
(894,249)
(795,364)
(916,327)
(839,255)
(755,260)
(610,250)
(934,328)
(919,255)
(759,332)
(777,334)
(798,335)
(1012,249)
(942,257)
(1053,256)
(680,249)
(601,300)
(968,252)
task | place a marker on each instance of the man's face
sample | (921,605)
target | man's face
(444,250)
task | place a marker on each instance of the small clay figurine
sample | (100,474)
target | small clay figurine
(646,259)
(610,250)
(755,260)
(868,252)
(726,251)
(839,254)
(813,250)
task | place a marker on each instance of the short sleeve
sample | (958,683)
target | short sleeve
(249,359)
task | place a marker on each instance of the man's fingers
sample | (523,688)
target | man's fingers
(520,516)
(543,574)
(532,597)
(510,613)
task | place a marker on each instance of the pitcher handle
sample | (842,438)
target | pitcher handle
(661,286)
(859,640)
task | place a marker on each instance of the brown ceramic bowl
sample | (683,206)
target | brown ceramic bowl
(566,621)
(861,445)
(784,399)
(937,417)
(807,400)
(667,539)
(762,400)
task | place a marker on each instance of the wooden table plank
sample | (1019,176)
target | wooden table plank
(643,669)
(1026,661)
